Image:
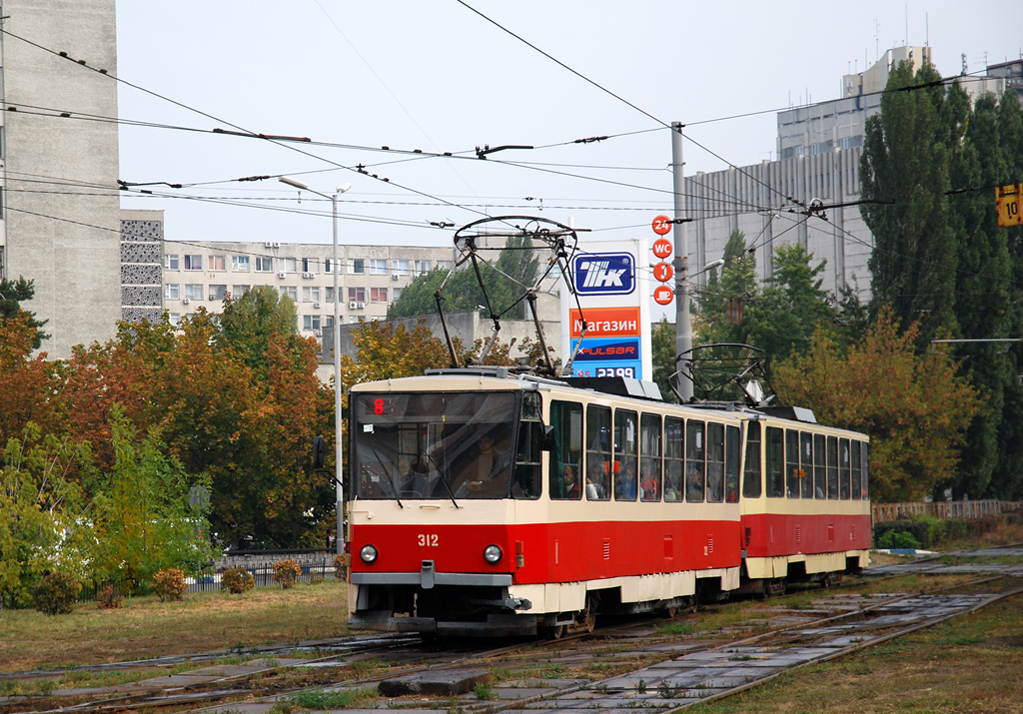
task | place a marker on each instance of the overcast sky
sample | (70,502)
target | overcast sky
(433,75)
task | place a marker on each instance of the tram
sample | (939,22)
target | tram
(489,502)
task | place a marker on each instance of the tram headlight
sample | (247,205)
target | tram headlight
(493,554)
(368,553)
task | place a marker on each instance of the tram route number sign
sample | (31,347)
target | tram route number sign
(1010,205)
(661,225)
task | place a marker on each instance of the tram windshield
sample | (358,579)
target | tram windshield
(433,445)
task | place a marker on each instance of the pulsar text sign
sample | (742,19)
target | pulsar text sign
(604,273)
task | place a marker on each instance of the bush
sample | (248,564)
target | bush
(898,539)
(109,597)
(56,593)
(286,572)
(170,584)
(341,565)
(920,532)
(237,580)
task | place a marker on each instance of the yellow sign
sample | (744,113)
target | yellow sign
(1010,205)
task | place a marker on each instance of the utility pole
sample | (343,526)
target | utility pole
(683,324)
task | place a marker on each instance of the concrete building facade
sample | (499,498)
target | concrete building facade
(60,219)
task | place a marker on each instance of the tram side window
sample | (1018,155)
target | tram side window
(696,455)
(565,462)
(775,462)
(792,463)
(832,467)
(866,471)
(857,472)
(650,457)
(732,447)
(715,462)
(598,453)
(626,437)
(752,485)
(673,463)
(820,467)
(843,469)
(527,482)
(806,464)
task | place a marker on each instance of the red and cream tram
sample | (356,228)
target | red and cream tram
(489,502)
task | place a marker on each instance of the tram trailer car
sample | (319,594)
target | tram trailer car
(485,502)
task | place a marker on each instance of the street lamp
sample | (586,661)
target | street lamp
(338,473)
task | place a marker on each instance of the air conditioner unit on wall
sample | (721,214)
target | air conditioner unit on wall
(316,305)
(353,305)
(282,275)
(360,305)
(395,276)
(307,275)
(185,301)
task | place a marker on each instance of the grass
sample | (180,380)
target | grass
(317,699)
(971,664)
(144,627)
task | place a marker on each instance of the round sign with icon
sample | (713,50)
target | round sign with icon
(663,295)
(662,225)
(662,248)
(663,272)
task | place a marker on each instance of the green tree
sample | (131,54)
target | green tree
(149,514)
(662,347)
(248,322)
(12,294)
(905,180)
(43,526)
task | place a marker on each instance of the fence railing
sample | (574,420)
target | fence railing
(884,512)
(209,579)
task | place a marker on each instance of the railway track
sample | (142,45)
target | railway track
(647,665)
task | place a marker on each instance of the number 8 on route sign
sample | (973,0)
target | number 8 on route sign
(1010,205)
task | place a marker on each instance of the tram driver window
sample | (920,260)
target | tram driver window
(626,438)
(527,481)
(565,463)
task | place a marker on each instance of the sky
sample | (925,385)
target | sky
(440,76)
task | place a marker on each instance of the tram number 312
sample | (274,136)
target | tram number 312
(428,540)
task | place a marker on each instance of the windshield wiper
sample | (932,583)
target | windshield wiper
(447,486)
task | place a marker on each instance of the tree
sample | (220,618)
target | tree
(915,407)
(905,177)
(12,294)
(149,514)
(28,385)
(42,527)
(662,347)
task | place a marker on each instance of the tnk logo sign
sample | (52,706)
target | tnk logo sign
(604,274)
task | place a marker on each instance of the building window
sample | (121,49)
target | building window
(310,322)
(289,265)
(378,267)
(239,290)
(353,319)
(216,262)
(399,267)
(193,262)
(193,291)
(445,264)
(171,291)
(422,266)
(328,264)
(395,294)
(240,263)
(358,266)
(329,295)
(291,291)
(378,294)
(171,262)
(310,265)
(328,320)
(310,294)
(174,318)
(218,292)
(356,294)
(264,264)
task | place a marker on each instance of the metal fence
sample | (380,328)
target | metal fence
(263,573)
(884,512)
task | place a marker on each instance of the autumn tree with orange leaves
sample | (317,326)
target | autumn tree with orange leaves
(915,407)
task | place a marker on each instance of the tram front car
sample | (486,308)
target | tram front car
(444,469)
